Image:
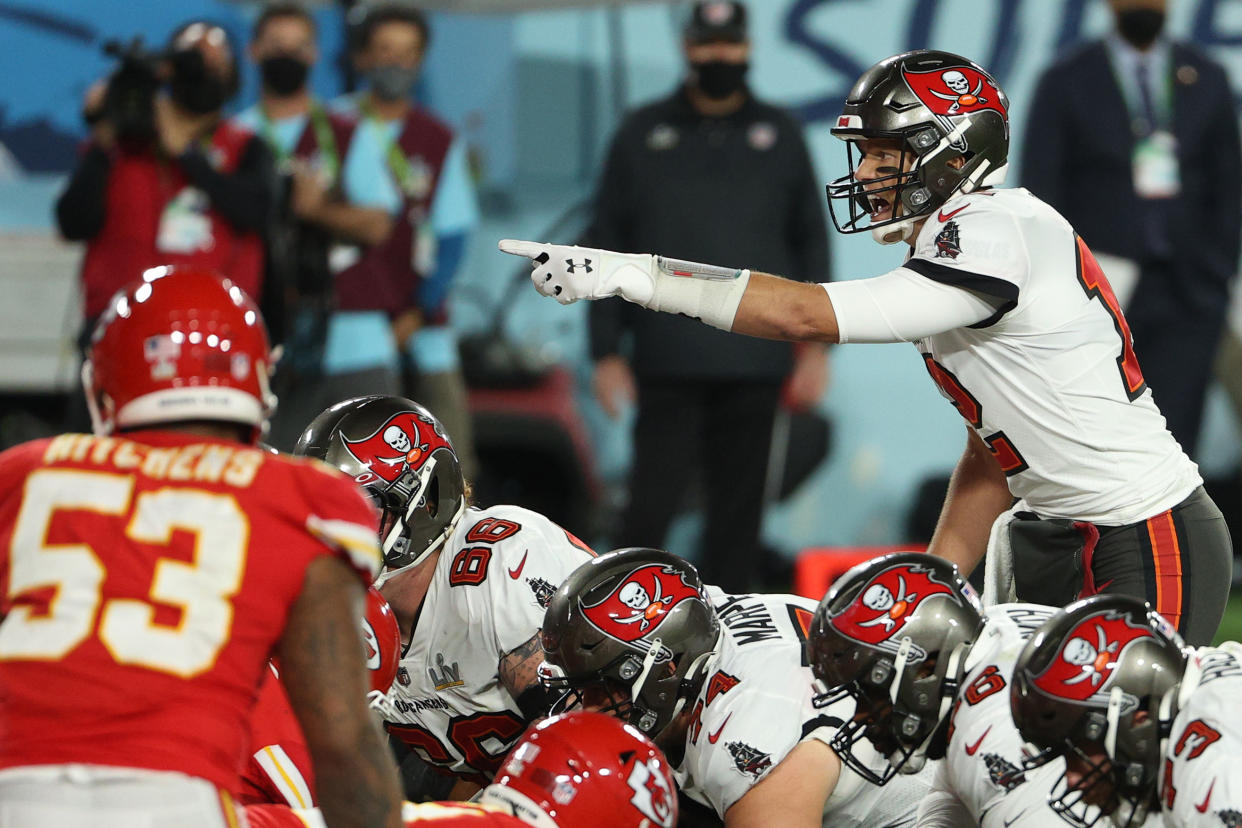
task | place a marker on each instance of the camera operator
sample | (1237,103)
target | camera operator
(165,180)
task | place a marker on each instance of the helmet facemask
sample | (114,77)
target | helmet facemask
(417,512)
(851,200)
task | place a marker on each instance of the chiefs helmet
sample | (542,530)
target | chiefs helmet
(586,768)
(382,638)
(894,634)
(941,107)
(177,344)
(1100,676)
(400,454)
(630,632)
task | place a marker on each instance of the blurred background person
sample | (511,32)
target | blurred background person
(392,298)
(1134,139)
(164,178)
(308,144)
(710,173)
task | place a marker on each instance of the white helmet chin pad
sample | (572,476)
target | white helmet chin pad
(897,232)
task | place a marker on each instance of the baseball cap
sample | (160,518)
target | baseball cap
(715,20)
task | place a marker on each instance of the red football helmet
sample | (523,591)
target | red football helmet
(383,643)
(180,343)
(584,768)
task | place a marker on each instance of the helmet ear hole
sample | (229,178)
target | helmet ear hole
(432,497)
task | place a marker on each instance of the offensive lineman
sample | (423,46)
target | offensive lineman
(720,683)
(1017,326)
(468,586)
(150,571)
(571,771)
(904,636)
(1145,725)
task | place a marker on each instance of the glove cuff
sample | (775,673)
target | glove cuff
(708,293)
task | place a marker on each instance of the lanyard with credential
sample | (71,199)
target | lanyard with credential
(398,164)
(325,139)
(1161,88)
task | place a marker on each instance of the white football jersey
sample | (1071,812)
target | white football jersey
(496,574)
(757,705)
(983,762)
(1201,781)
(1050,382)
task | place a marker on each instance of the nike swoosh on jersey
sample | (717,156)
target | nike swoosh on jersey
(1204,806)
(971,750)
(712,737)
(946,216)
(516,572)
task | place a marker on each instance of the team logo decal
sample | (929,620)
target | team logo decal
(1083,669)
(750,761)
(652,796)
(405,441)
(640,602)
(954,92)
(1230,818)
(882,607)
(947,242)
(161,353)
(1004,774)
(543,591)
(371,642)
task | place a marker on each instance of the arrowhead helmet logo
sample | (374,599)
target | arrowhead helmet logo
(640,602)
(1084,668)
(652,796)
(404,441)
(886,602)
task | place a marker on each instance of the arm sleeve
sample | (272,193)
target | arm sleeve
(808,231)
(1043,147)
(80,208)
(244,196)
(902,306)
(610,229)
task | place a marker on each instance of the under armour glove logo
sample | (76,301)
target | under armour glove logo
(573,267)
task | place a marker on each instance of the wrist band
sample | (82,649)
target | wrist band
(708,293)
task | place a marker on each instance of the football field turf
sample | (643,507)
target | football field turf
(1231,626)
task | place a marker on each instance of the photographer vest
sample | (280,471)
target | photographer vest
(154,216)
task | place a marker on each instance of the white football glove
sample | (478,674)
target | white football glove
(569,273)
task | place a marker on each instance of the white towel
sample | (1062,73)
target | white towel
(998,586)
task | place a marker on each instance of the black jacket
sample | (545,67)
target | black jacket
(737,191)
(1077,157)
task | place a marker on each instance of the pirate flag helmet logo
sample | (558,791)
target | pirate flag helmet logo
(640,602)
(404,442)
(887,601)
(951,93)
(1084,668)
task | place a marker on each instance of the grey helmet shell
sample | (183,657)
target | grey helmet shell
(940,107)
(396,450)
(637,619)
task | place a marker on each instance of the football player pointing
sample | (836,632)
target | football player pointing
(1147,728)
(468,586)
(1017,326)
(720,683)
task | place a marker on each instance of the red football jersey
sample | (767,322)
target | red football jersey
(144,582)
(279,767)
(439,814)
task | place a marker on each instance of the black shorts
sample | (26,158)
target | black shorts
(1179,561)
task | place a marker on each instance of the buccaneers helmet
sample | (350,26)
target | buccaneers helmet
(630,633)
(400,454)
(894,634)
(178,344)
(586,768)
(1101,675)
(941,107)
(382,638)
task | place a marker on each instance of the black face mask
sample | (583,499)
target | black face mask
(720,79)
(283,74)
(193,87)
(1140,26)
